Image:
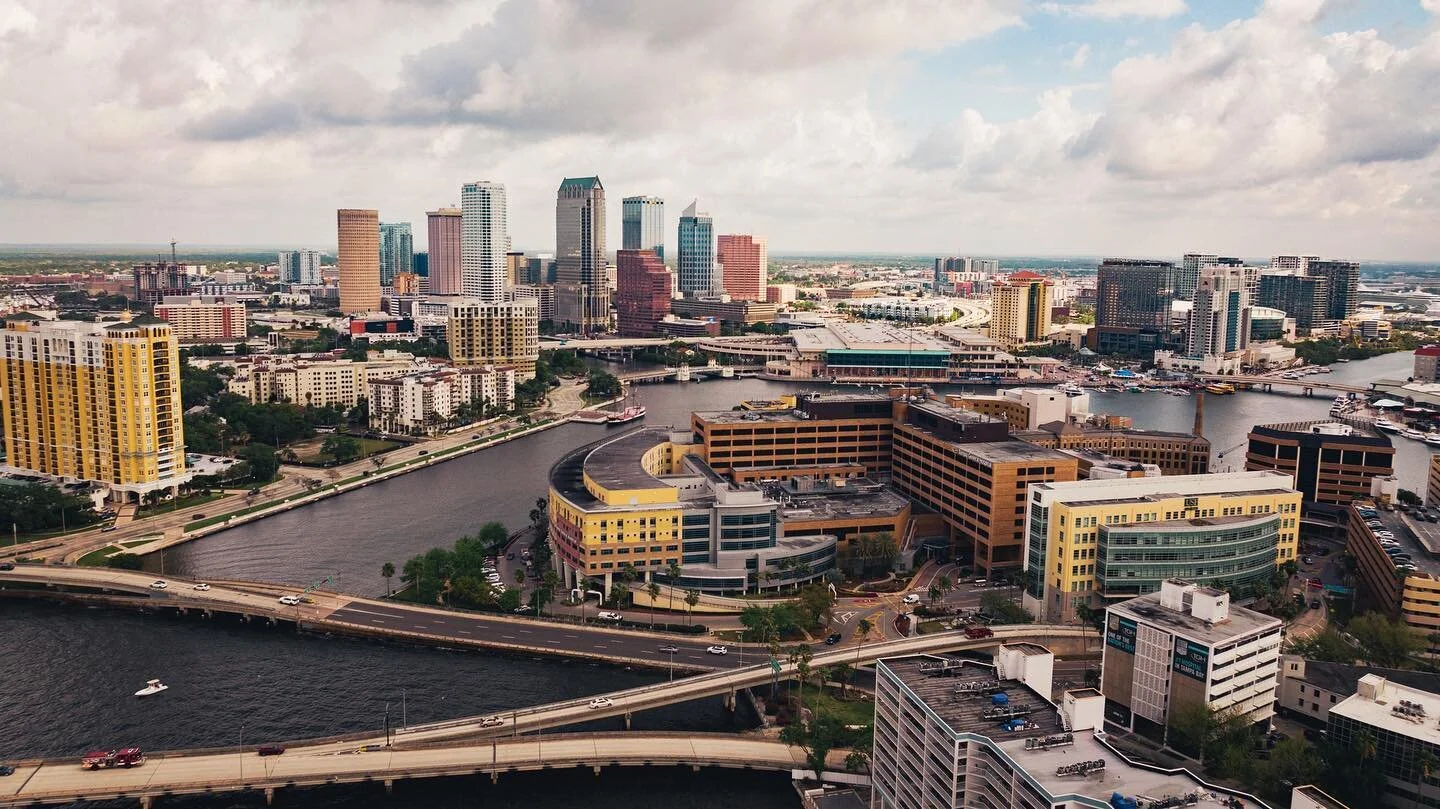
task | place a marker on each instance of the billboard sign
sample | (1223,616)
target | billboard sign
(1191,659)
(1120,633)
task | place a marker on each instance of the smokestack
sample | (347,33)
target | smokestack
(1199,413)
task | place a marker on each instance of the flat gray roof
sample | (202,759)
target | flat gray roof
(962,712)
(1010,452)
(1241,622)
(615,464)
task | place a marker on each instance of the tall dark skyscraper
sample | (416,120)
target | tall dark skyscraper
(696,262)
(582,290)
(1303,297)
(1135,293)
(1342,297)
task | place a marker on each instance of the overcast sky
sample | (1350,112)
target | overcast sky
(1126,127)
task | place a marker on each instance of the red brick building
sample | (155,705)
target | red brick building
(642,292)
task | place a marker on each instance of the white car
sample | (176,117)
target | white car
(601,702)
(158,585)
(608,616)
(290,601)
(912,598)
(202,587)
(491,722)
(717,650)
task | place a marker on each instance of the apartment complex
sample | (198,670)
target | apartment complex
(696,261)
(1220,318)
(1186,645)
(744,261)
(1174,453)
(1133,293)
(1332,462)
(424,402)
(1427,364)
(397,251)
(315,381)
(543,295)
(484,241)
(642,225)
(962,465)
(359,260)
(95,401)
(1095,541)
(582,290)
(204,319)
(645,501)
(643,292)
(503,333)
(445,264)
(299,267)
(822,430)
(1342,282)
(1020,309)
(1303,297)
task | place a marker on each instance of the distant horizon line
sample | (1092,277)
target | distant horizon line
(145,248)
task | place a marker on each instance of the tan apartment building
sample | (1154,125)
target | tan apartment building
(961,464)
(1020,309)
(197,319)
(313,382)
(501,333)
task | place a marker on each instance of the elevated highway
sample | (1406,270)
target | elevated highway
(59,781)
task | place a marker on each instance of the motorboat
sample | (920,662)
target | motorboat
(1413,434)
(1071,389)
(1433,439)
(1387,425)
(151,688)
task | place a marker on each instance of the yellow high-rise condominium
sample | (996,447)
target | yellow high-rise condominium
(94,401)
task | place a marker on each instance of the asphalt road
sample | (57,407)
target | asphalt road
(541,635)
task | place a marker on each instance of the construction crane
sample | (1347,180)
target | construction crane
(1220,456)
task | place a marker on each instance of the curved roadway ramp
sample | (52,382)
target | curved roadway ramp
(181,773)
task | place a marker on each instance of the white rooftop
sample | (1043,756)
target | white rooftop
(1377,702)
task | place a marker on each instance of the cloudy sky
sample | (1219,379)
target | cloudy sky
(1129,127)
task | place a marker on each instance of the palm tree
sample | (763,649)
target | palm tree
(944,583)
(1425,762)
(387,572)
(550,580)
(802,656)
(673,572)
(863,627)
(692,597)
(653,590)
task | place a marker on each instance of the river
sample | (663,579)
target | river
(69,671)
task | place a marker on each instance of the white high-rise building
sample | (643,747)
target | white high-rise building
(1292,265)
(300,267)
(484,241)
(1220,319)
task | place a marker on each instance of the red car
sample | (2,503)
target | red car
(978,632)
(270,749)
(1314,583)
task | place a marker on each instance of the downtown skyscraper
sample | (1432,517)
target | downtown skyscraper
(359,259)
(300,267)
(445,226)
(743,260)
(642,222)
(484,241)
(397,251)
(696,262)
(582,290)
(1135,294)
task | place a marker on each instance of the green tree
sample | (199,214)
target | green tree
(1385,643)
(550,580)
(935,593)
(816,738)
(519,577)
(342,448)
(653,590)
(1408,498)
(387,572)
(1328,646)
(1425,763)
(30,507)
(359,415)
(1004,610)
(262,462)
(692,597)
(672,572)
(862,628)
(493,536)
(815,605)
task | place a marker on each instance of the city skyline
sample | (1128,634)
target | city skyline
(1092,139)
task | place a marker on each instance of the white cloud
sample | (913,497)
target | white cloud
(1117,9)
(215,123)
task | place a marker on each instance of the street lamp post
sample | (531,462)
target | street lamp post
(242,752)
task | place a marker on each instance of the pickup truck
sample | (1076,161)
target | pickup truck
(105,759)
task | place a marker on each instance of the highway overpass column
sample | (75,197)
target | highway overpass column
(627,725)
(269,796)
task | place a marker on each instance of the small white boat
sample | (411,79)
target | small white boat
(1413,434)
(152,687)
(1387,425)
(1433,439)
(1071,389)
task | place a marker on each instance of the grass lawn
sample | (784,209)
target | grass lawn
(97,558)
(309,451)
(850,711)
(187,501)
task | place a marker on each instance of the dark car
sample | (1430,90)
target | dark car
(197,516)
(1314,603)
(270,749)
(832,639)
(424,452)
(510,555)
(6,769)
(6,566)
